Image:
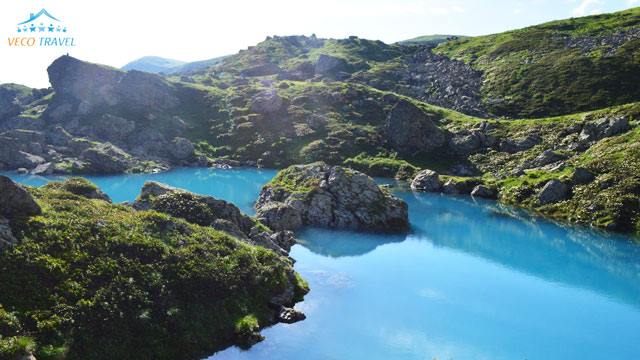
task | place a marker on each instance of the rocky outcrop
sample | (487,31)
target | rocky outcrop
(485,192)
(90,86)
(411,131)
(432,78)
(331,197)
(581,176)
(106,159)
(15,201)
(552,192)
(603,128)
(523,143)
(426,180)
(6,235)
(459,186)
(209,211)
(266,102)
(332,67)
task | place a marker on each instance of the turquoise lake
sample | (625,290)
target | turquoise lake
(474,280)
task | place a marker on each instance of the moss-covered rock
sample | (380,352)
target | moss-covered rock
(330,196)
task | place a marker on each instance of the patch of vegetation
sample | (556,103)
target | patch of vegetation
(294,181)
(381,166)
(93,280)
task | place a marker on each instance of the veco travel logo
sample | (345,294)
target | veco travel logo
(42,30)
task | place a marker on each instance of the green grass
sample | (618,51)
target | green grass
(533,75)
(92,280)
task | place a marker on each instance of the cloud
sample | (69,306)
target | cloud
(633,2)
(589,7)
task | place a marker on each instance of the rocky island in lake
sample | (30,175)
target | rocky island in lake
(331,197)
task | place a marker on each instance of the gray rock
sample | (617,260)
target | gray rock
(409,130)
(553,192)
(426,180)
(457,187)
(280,216)
(603,128)
(289,315)
(328,65)
(181,148)
(520,144)
(113,128)
(15,201)
(58,136)
(106,159)
(331,197)
(43,169)
(545,158)
(467,142)
(266,102)
(6,235)
(581,176)
(482,191)
(22,171)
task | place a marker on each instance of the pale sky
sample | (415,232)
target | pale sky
(115,32)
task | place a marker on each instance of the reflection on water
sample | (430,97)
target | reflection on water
(343,243)
(474,280)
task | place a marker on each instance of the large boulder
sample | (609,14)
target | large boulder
(553,192)
(266,102)
(328,65)
(209,211)
(519,144)
(426,180)
(545,158)
(603,128)
(181,148)
(331,197)
(410,131)
(485,192)
(459,186)
(581,176)
(15,201)
(106,159)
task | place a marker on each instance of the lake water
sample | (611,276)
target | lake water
(474,280)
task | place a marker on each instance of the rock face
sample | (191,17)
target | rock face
(426,180)
(552,192)
(331,197)
(106,159)
(6,235)
(411,131)
(603,128)
(94,85)
(209,211)
(459,187)
(482,191)
(330,66)
(15,201)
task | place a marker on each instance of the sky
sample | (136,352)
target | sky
(116,32)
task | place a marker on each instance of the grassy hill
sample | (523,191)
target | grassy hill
(559,67)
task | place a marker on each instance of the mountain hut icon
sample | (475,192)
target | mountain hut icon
(46,23)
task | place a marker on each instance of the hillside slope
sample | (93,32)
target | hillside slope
(556,68)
